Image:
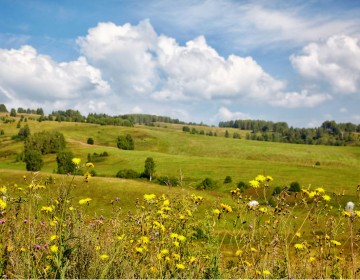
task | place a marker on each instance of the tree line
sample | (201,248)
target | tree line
(329,133)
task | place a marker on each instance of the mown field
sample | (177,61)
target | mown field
(302,219)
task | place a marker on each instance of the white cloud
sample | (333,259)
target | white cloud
(137,110)
(343,110)
(27,75)
(299,99)
(336,62)
(224,114)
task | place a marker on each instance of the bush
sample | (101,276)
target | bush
(208,183)
(277,190)
(227,180)
(317,163)
(168,181)
(64,162)
(90,141)
(125,142)
(33,160)
(294,187)
(127,174)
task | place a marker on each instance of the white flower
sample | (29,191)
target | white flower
(350,206)
(253,204)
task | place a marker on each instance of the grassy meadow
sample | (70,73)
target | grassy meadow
(117,228)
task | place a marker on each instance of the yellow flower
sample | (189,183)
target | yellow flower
(311,194)
(266,272)
(260,178)
(139,250)
(320,190)
(253,250)
(2,204)
(180,266)
(97,248)
(263,209)
(176,243)
(269,178)
(120,237)
(144,240)
(54,237)
(149,197)
(312,259)
(164,251)
(173,235)
(357,213)
(104,257)
(3,190)
(192,259)
(182,217)
(176,256)
(71,208)
(84,201)
(254,183)
(54,248)
(326,198)
(181,237)
(76,161)
(336,243)
(47,209)
(166,202)
(226,208)
(299,246)
(90,165)
(238,252)
(22,249)
(189,212)
(346,213)
(216,211)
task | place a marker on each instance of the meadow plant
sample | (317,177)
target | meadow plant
(47,232)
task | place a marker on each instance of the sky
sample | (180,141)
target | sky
(194,60)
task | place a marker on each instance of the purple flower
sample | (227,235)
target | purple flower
(25,221)
(46,246)
(37,246)
(2,221)
(117,199)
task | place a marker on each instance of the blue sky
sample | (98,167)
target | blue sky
(202,61)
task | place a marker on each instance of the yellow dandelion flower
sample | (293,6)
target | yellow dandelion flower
(144,240)
(176,243)
(266,272)
(173,235)
(357,212)
(176,256)
(97,248)
(299,246)
(149,197)
(263,209)
(253,250)
(84,201)
(298,234)
(320,190)
(54,248)
(76,161)
(192,259)
(336,243)
(181,238)
(90,165)
(238,252)
(54,237)
(326,198)
(189,212)
(312,259)
(269,178)
(226,208)
(180,266)
(120,237)
(3,190)
(247,263)
(254,184)
(139,250)
(22,249)
(2,204)
(47,209)
(71,208)
(260,178)
(153,269)
(104,257)
(340,258)
(181,217)
(216,211)
(311,194)
(166,202)
(164,251)
(258,272)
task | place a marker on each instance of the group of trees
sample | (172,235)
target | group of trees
(193,130)
(149,170)
(329,133)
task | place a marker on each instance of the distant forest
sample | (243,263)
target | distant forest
(329,133)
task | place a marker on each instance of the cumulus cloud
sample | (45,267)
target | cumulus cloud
(25,74)
(335,62)
(299,99)
(224,114)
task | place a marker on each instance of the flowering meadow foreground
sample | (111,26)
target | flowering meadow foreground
(51,234)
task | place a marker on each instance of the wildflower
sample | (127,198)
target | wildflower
(139,250)
(120,237)
(350,206)
(2,221)
(164,251)
(226,208)
(238,252)
(216,212)
(104,257)
(25,221)
(357,213)
(144,240)
(84,201)
(2,204)
(3,190)
(149,197)
(181,217)
(47,209)
(54,237)
(192,259)
(166,202)
(253,204)
(97,248)
(347,213)
(189,212)
(253,250)
(266,272)
(299,246)
(320,190)
(247,263)
(269,178)
(46,246)
(22,249)
(76,161)
(298,234)
(336,243)
(263,209)
(173,235)
(176,256)
(89,165)
(176,243)
(180,266)
(254,183)
(312,259)
(311,194)
(54,248)
(326,198)
(181,238)
(153,269)
(260,178)
(71,208)
(37,246)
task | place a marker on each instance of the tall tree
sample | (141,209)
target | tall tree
(149,168)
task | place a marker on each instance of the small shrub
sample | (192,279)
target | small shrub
(168,181)
(242,184)
(277,190)
(33,160)
(127,174)
(90,141)
(295,187)
(317,163)
(227,180)
(208,183)
(125,142)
